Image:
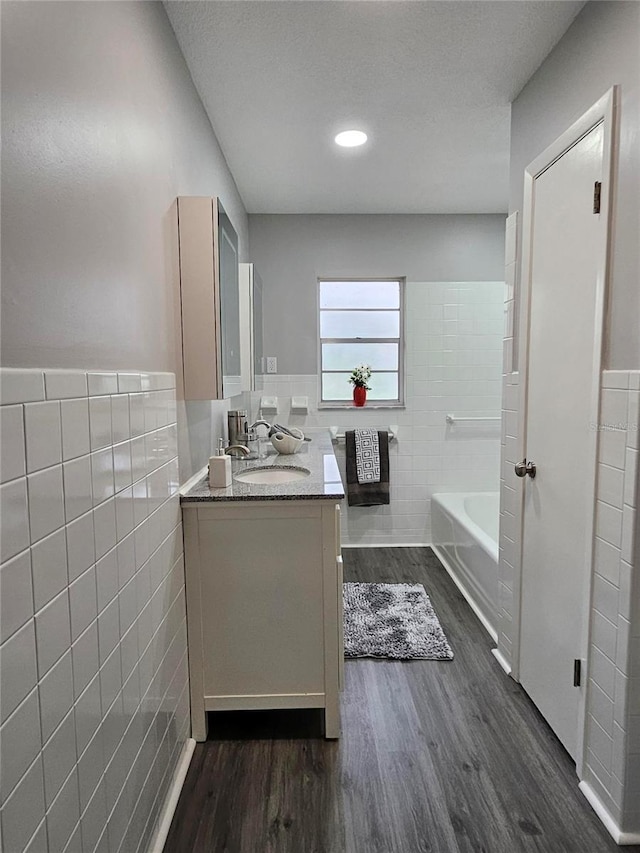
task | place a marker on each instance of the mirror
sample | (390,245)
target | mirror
(229,305)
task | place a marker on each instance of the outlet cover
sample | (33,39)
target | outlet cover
(272,364)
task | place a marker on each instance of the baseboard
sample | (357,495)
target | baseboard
(171,800)
(620,837)
(504,663)
(468,598)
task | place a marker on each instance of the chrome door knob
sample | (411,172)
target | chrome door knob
(523,468)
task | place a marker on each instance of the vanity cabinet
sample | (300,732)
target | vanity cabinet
(207,273)
(264,607)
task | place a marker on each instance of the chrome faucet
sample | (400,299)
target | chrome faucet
(260,423)
(237,450)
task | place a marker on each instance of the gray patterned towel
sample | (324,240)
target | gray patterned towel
(367,455)
(368,492)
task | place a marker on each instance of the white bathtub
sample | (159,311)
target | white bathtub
(465,539)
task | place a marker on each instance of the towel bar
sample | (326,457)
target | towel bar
(339,436)
(452,419)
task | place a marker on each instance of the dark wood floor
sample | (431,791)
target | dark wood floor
(446,757)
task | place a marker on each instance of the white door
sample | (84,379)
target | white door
(559,439)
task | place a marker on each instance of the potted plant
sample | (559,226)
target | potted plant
(359,378)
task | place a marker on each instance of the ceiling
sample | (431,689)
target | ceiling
(429,82)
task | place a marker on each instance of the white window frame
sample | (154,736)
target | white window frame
(371,404)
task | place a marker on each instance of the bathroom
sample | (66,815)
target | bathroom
(103,128)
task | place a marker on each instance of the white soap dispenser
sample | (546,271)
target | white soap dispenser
(220,468)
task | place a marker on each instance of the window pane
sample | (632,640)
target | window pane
(384,386)
(359,294)
(359,324)
(347,356)
(336,386)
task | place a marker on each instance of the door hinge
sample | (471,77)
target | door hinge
(597,192)
(577,672)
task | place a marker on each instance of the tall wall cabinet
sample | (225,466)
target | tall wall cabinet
(209,299)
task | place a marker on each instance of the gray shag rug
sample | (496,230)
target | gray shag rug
(392,620)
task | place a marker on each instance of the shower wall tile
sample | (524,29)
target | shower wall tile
(94,704)
(453,355)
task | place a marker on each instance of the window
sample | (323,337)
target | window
(361,322)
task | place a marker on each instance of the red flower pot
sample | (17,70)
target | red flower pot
(359,395)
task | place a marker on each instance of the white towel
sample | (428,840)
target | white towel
(367,455)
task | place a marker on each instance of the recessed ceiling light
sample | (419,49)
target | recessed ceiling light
(351,138)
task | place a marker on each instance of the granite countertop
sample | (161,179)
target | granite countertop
(323,483)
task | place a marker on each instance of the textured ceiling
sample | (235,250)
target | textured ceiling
(429,82)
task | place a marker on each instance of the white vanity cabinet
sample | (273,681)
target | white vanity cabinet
(264,607)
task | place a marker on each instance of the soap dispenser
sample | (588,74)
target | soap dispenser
(220,468)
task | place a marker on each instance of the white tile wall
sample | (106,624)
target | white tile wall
(94,705)
(453,356)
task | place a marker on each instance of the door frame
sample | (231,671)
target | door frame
(602,112)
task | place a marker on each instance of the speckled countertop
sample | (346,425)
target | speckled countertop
(317,456)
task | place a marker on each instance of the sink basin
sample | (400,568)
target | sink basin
(269,475)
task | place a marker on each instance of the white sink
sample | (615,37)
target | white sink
(271,476)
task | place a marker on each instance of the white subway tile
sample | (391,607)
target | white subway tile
(12,446)
(128,383)
(64,813)
(46,502)
(102,383)
(20,743)
(49,568)
(601,744)
(126,560)
(107,578)
(83,602)
(56,694)
(16,600)
(94,819)
(122,465)
(110,679)
(613,408)
(628,533)
(615,379)
(24,810)
(20,386)
(604,634)
(18,667)
(14,518)
(605,598)
(613,444)
(630,477)
(75,428)
(136,414)
(53,632)
(124,512)
(601,708)
(607,561)
(81,552)
(100,422)
(603,672)
(43,435)
(85,658)
(64,384)
(59,757)
(120,418)
(609,523)
(78,494)
(91,767)
(88,714)
(102,475)
(109,631)
(104,522)
(610,485)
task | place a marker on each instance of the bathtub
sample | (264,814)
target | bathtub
(465,539)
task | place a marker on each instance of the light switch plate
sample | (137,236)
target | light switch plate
(272,364)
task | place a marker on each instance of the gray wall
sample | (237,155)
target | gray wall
(600,49)
(291,252)
(101,129)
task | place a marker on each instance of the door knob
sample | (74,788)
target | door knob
(523,468)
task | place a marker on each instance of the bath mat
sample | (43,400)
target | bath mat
(392,620)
